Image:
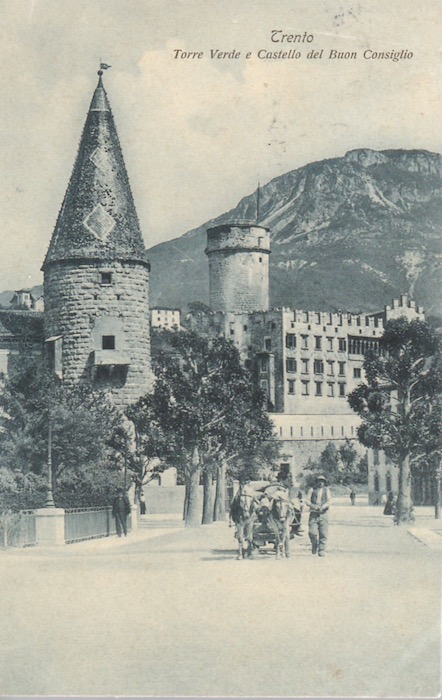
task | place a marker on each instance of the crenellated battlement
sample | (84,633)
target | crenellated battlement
(404,306)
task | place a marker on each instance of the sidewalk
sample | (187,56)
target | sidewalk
(149,527)
(426,529)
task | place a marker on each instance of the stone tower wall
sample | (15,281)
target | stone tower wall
(76,301)
(238,267)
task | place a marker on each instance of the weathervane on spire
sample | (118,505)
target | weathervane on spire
(103,67)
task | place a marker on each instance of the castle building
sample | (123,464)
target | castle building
(96,272)
(306,362)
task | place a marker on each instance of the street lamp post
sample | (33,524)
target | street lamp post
(437,494)
(49,496)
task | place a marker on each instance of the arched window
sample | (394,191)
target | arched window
(377,482)
(388,482)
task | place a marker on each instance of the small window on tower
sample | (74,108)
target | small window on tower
(106,278)
(108,342)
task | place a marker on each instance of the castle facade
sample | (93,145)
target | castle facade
(306,362)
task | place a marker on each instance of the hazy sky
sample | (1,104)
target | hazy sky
(198,134)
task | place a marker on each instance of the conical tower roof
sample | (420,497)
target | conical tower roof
(98,219)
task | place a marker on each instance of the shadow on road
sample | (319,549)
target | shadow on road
(223,554)
(364,522)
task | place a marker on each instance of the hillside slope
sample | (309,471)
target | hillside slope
(347,233)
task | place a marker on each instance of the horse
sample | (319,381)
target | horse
(243,515)
(278,519)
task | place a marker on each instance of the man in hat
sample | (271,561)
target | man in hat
(318,500)
(120,511)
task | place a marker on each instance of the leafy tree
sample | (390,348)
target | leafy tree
(241,447)
(198,308)
(328,464)
(354,467)
(206,404)
(340,465)
(145,443)
(18,491)
(86,468)
(399,402)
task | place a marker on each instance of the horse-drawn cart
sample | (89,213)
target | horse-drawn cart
(267,515)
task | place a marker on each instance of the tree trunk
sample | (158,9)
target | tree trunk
(186,499)
(192,515)
(208,497)
(220,494)
(403,503)
(437,496)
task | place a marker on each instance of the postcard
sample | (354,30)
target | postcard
(253,188)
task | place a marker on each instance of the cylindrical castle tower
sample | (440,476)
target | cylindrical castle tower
(96,272)
(238,267)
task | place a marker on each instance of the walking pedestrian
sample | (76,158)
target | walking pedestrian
(352,497)
(389,506)
(120,511)
(318,500)
(142,504)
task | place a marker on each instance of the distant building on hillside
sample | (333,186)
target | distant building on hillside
(23,299)
(168,319)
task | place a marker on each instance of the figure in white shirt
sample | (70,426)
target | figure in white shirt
(318,500)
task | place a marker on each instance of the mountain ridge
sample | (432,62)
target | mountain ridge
(347,233)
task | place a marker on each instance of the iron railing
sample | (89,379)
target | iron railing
(89,523)
(18,529)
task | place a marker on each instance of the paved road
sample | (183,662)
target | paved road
(171,612)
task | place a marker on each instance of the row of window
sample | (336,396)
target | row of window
(361,346)
(318,318)
(319,388)
(291,367)
(318,431)
(290,342)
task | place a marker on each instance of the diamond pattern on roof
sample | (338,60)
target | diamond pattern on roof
(100,158)
(99,222)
